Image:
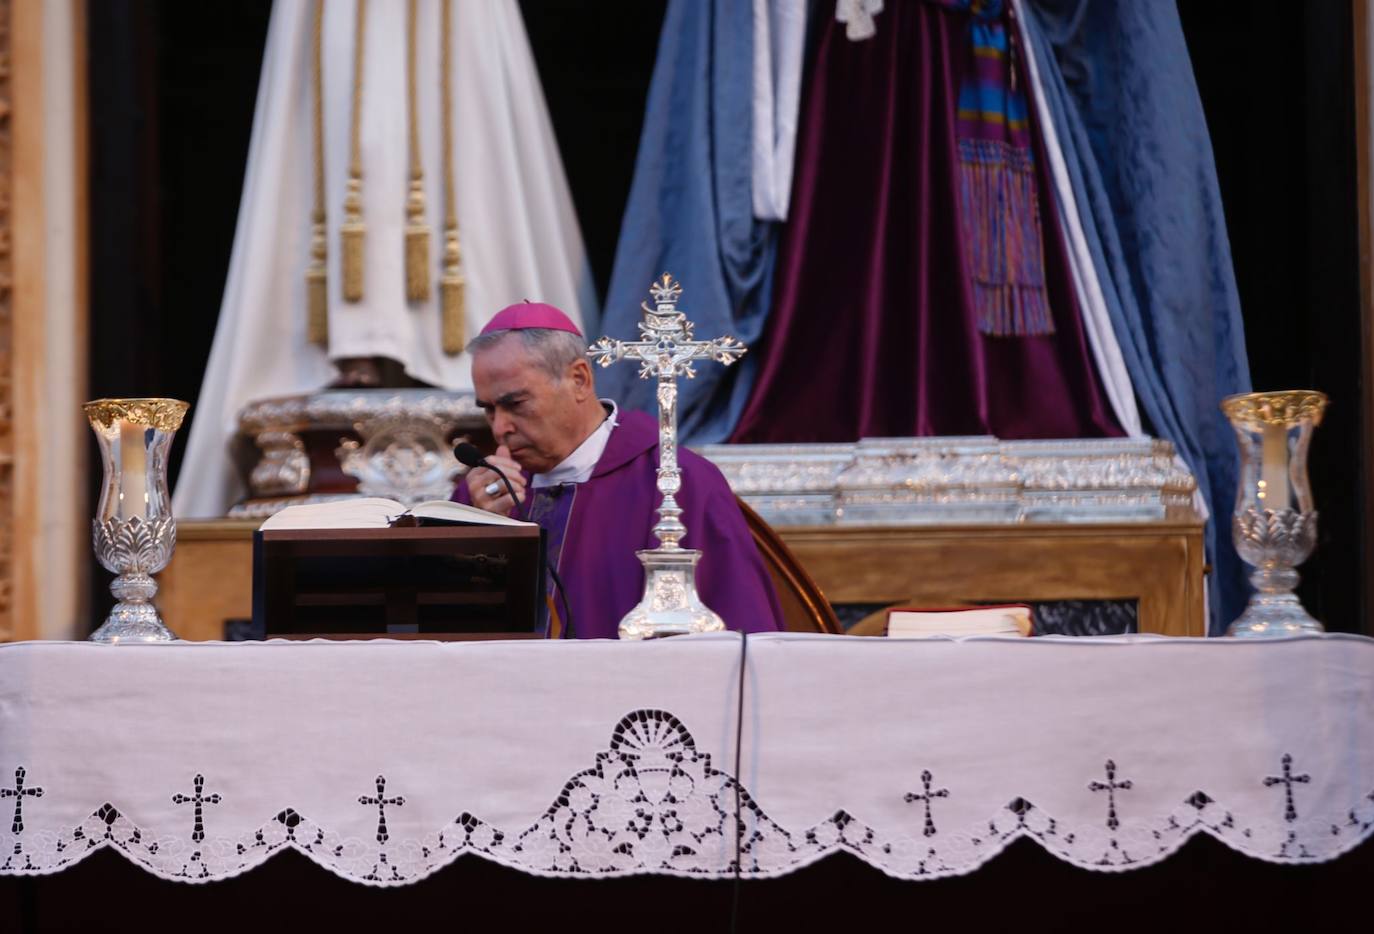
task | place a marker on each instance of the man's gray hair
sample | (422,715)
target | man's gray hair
(554,349)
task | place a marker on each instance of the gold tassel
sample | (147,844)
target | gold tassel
(417,245)
(417,231)
(452,304)
(316,281)
(451,289)
(317,292)
(316,288)
(352,231)
(351,237)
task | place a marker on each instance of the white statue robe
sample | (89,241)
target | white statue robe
(519,233)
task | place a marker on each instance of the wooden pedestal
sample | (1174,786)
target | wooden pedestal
(210,578)
(1159,564)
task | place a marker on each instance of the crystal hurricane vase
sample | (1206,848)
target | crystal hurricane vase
(133,531)
(1275,522)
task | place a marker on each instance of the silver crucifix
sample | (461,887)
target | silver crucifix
(665,351)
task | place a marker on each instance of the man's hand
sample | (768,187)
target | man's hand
(481,480)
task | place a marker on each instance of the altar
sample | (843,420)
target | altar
(916,521)
(713,757)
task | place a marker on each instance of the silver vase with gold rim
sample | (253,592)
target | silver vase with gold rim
(1275,523)
(133,532)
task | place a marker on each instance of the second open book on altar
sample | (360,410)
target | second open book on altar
(371,512)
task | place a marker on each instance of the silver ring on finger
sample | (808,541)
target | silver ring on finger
(492,488)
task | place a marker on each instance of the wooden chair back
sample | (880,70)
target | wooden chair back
(804,607)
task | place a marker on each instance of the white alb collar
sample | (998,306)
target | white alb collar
(577,467)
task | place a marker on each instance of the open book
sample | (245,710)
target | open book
(376,513)
(1009,620)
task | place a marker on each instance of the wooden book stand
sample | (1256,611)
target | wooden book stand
(428,582)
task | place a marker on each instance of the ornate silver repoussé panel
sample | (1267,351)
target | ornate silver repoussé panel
(926,481)
(403,450)
(877,481)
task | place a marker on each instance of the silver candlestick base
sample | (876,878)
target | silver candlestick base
(670,606)
(134,550)
(1274,542)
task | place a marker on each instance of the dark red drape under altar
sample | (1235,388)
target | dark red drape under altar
(873,331)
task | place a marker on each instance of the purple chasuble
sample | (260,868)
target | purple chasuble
(550,507)
(612,515)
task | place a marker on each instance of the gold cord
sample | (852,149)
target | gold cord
(417,231)
(451,284)
(316,281)
(352,230)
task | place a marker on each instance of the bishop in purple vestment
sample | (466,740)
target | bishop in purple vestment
(588,474)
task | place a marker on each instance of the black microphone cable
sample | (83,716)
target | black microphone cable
(562,592)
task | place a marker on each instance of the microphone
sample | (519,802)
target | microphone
(467,453)
(469,456)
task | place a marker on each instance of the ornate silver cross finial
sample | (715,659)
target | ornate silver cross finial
(667,348)
(665,351)
(665,292)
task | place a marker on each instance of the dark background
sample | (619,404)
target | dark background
(173,87)
(1277,84)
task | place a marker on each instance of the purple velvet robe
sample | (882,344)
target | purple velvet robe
(874,331)
(612,517)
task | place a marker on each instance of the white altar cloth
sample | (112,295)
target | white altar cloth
(928,757)
(384,761)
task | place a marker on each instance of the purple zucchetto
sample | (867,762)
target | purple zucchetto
(529,314)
